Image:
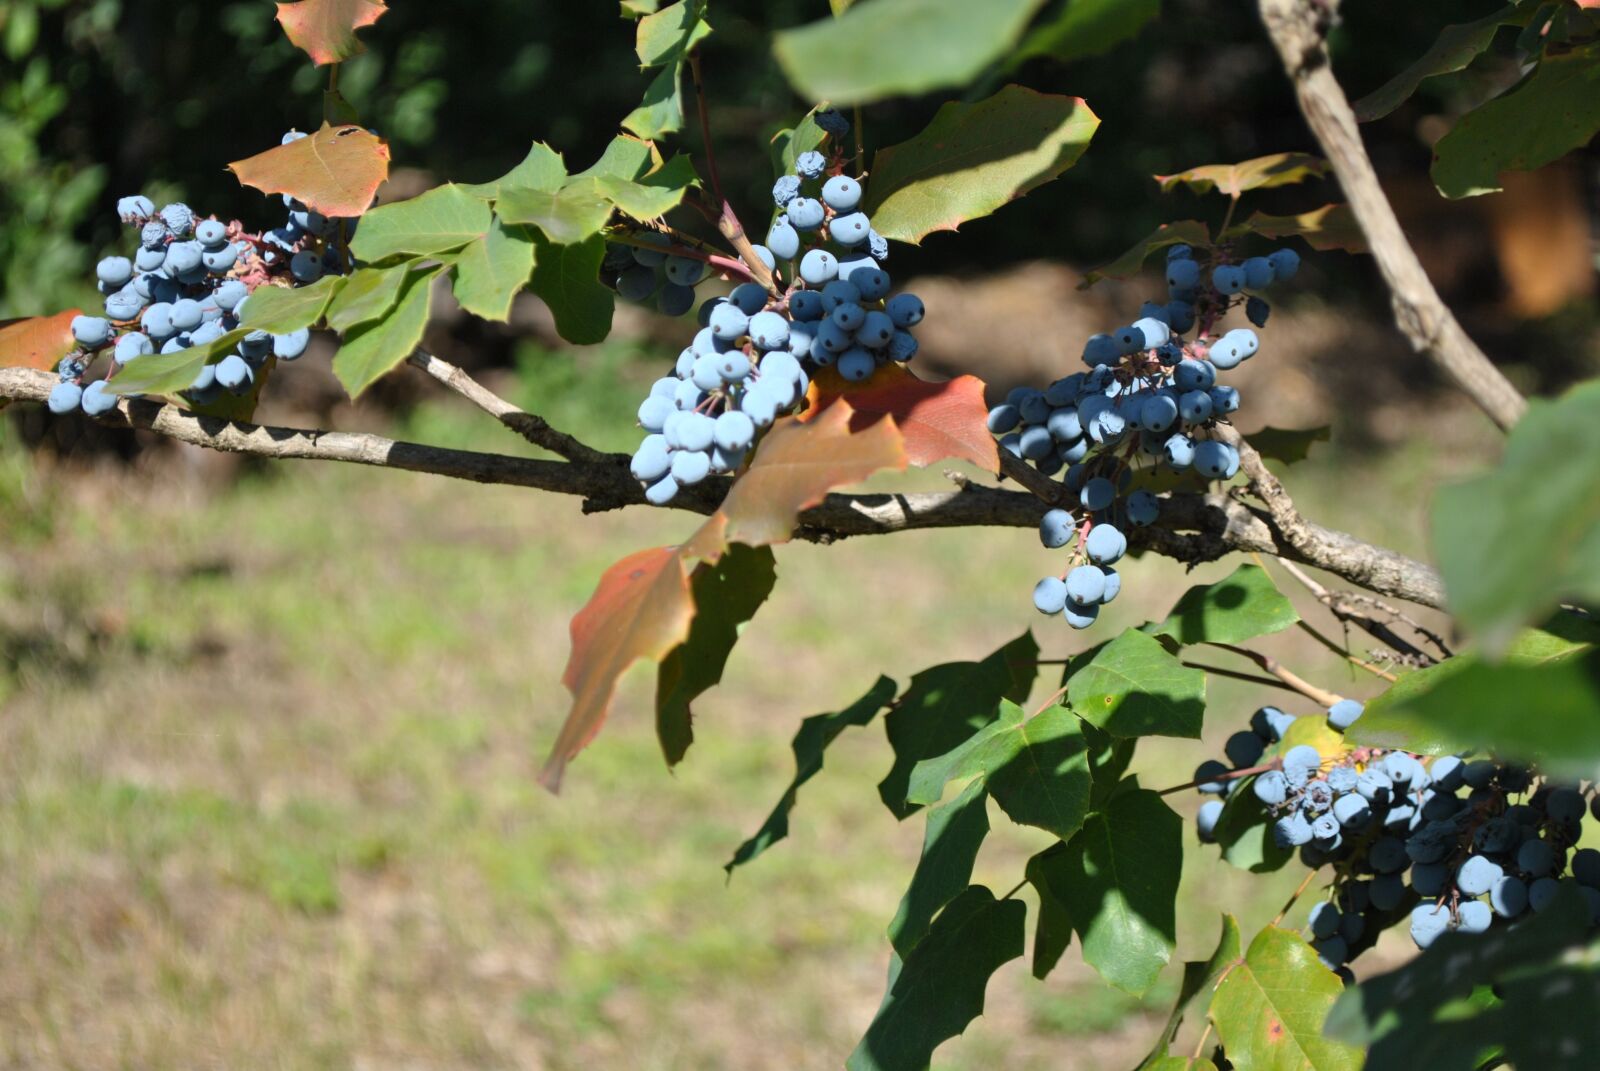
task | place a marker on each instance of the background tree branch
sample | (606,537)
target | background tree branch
(1298,30)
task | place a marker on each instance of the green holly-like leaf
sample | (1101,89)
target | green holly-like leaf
(1513,543)
(1288,446)
(936,991)
(950,846)
(1037,769)
(570,214)
(281,309)
(651,195)
(889,48)
(368,294)
(1436,1011)
(1119,879)
(1135,687)
(1199,976)
(1131,263)
(1244,832)
(1262,173)
(1241,607)
(1048,873)
(541,169)
(374,348)
(1270,1006)
(491,271)
(445,218)
(1455,47)
(665,39)
(169,373)
(1556,110)
(726,596)
(816,733)
(567,278)
(974,158)
(788,145)
(944,706)
(1087,28)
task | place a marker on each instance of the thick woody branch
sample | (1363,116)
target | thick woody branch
(1298,29)
(1194,528)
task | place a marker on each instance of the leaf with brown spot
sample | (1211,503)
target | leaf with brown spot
(798,463)
(1326,228)
(335,171)
(1262,173)
(938,420)
(37,342)
(325,30)
(1269,1008)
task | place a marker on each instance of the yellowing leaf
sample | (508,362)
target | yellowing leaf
(1262,173)
(39,342)
(938,420)
(335,171)
(1325,228)
(325,30)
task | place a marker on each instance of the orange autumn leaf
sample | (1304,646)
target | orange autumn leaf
(325,30)
(39,342)
(335,171)
(938,420)
(798,463)
(641,609)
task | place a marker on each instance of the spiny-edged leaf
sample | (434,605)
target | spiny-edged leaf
(567,278)
(1037,769)
(1554,112)
(169,373)
(1199,976)
(1456,46)
(1262,173)
(788,145)
(1135,687)
(816,733)
(945,705)
(664,40)
(797,464)
(325,30)
(1287,445)
(1392,719)
(281,309)
(727,595)
(1244,605)
(1119,878)
(887,48)
(1052,933)
(1329,227)
(1087,28)
(335,171)
(570,214)
(1244,832)
(1129,264)
(492,270)
(368,294)
(642,608)
(937,990)
(950,846)
(1514,542)
(373,348)
(446,217)
(1269,1008)
(541,169)
(1406,1016)
(974,158)
(651,195)
(39,342)
(938,420)
(625,157)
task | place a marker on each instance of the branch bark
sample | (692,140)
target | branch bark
(1194,528)
(1298,29)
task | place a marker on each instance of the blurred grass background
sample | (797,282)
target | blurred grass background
(268,732)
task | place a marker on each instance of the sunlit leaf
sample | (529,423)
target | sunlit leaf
(1262,173)
(281,309)
(1326,228)
(446,217)
(664,40)
(1241,607)
(372,349)
(367,294)
(169,373)
(1270,1006)
(40,342)
(938,420)
(325,30)
(1199,978)
(335,171)
(1134,687)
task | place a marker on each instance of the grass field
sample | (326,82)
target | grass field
(267,762)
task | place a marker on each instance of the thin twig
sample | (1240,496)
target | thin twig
(1231,775)
(730,265)
(1363,611)
(1310,630)
(1320,696)
(1305,883)
(1200,1046)
(535,429)
(723,215)
(1251,678)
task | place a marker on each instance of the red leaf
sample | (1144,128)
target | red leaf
(326,29)
(39,342)
(798,463)
(938,420)
(335,171)
(641,609)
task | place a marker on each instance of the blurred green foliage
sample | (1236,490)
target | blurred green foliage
(100,98)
